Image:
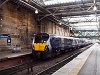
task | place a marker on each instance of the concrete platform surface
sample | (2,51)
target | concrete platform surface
(92,65)
(9,54)
(74,67)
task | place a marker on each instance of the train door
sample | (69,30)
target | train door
(62,43)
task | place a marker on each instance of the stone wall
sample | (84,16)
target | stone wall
(21,24)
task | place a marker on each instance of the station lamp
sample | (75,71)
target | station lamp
(94,8)
(36,11)
(60,23)
(0,25)
(27,0)
(1,19)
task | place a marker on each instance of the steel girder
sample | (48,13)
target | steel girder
(66,5)
(33,6)
(86,33)
(78,13)
(84,9)
(2,2)
(75,9)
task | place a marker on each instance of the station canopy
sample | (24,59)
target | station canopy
(77,14)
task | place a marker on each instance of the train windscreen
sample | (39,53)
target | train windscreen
(41,38)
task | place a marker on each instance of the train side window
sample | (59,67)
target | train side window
(41,39)
(52,41)
(70,41)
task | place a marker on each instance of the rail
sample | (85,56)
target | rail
(17,68)
(54,68)
(30,64)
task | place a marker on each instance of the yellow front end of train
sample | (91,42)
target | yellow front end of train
(40,42)
(39,46)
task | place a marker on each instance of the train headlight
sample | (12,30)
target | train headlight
(46,47)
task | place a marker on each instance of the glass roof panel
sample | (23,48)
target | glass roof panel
(81,18)
(90,22)
(53,2)
(85,28)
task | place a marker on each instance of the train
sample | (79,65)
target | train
(46,45)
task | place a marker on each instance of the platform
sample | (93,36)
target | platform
(9,54)
(87,63)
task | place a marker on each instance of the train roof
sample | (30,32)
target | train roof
(54,35)
(62,36)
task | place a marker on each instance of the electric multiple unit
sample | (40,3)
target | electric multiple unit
(47,45)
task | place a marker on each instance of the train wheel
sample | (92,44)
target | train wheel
(43,55)
(33,53)
(59,52)
(53,53)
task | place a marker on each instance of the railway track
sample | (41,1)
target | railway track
(10,65)
(55,67)
(40,67)
(59,63)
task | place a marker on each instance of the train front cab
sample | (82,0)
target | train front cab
(39,46)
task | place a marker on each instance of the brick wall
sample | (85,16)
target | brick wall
(53,28)
(21,24)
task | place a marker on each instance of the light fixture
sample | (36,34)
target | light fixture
(94,8)
(60,23)
(27,0)
(36,11)
(0,25)
(1,19)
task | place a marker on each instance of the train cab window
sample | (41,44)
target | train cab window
(41,39)
(38,39)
